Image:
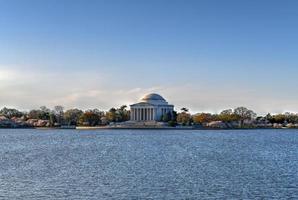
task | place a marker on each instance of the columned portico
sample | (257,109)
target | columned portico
(142,114)
(151,108)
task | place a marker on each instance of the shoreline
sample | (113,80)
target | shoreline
(144,128)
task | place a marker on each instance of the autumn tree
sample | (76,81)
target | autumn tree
(90,118)
(228,116)
(184,117)
(201,118)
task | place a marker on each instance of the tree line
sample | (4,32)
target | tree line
(93,117)
(239,115)
(59,116)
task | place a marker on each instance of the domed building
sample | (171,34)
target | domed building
(150,108)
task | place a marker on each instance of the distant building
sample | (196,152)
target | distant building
(150,108)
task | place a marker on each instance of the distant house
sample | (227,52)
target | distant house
(150,108)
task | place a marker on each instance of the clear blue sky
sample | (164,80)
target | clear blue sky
(204,55)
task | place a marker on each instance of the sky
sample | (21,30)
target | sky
(203,55)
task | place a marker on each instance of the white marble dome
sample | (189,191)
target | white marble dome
(154,99)
(153,96)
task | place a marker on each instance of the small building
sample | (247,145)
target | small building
(150,108)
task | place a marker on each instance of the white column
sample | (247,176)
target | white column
(153,111)
(152,114)
(134,114)
(143,114)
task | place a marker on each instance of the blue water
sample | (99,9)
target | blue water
(148,164)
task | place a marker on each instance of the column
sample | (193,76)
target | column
(143,114)
(134,114)
(137,110)
(151,113)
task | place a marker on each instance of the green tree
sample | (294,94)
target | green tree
(72,116)
(11,112)
(118,115)
(166,117)
(42,113)
(123,114)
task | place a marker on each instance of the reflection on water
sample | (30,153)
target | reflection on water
(148,164)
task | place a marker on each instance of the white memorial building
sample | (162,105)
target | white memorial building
(150,108)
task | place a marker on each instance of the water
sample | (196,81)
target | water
(148,164)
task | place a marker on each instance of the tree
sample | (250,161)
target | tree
(184,118)
(11,112)
(123,114)
(201,118)
(59,111)
(45,109)
(166,117)
(111,115)
(244,114)
(228,116)
(174,116)
(118,115)
(72,116)
(90,118)
(42,113)
(292,118)
(279,118)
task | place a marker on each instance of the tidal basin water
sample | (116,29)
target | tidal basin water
(148,164)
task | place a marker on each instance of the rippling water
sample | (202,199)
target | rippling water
(148,164)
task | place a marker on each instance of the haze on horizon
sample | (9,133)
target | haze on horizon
(203,55)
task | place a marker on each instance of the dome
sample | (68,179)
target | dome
(153,97)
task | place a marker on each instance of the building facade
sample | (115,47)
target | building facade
(150,108)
